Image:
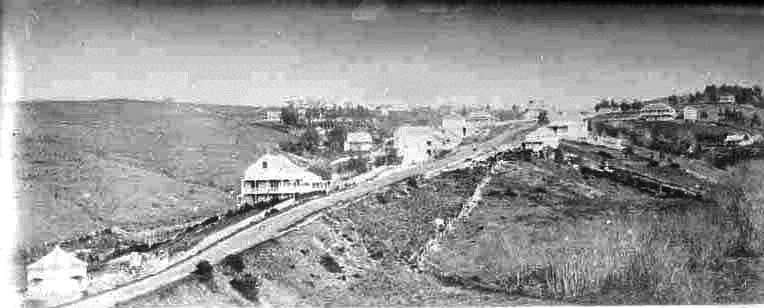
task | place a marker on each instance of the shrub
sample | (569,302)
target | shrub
(330,264)
(234,262)
(248,286)
(204,271)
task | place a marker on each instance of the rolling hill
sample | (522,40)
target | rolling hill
(84,166)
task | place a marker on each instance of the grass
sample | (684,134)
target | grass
(409,211)
(88,165)
(599,251)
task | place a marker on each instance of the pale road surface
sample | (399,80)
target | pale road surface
(273,226)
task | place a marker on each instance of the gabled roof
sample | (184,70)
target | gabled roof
(278,167)
(57,259)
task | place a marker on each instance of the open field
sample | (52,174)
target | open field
(533,235)
(89,165)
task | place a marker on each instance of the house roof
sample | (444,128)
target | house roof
(657,106)
(734,137)
(453,117)
(359,137)
(479,114)
(57,259)
(278,167)
(270,109)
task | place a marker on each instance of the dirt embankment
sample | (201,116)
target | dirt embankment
(361,254)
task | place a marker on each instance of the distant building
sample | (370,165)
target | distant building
(738,139)
(690,114)
(421,143)
(657,112)
(455,125)
(606,110)
(358,142)
(277,177)
(480,119)
(270,114)
(727,99)
(56,278)
(551,134)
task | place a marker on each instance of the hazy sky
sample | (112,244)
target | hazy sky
(255,55)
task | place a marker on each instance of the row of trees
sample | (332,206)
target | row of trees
(738,117)
(623,105)
(743,95)
(310,141)
(290,115)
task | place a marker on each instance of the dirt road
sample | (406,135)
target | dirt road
(272,226)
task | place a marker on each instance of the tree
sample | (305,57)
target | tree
(543,118)
(704,115)
(755,120)
(204,271)
(235,262)
(336,138)
(310,140)
(289,115)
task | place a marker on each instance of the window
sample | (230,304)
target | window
(265,165)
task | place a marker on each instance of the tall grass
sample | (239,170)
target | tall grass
(660,257)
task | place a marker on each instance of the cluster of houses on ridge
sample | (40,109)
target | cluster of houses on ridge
(549,136)
(275,176)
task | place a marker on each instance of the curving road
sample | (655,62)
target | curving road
(249,236)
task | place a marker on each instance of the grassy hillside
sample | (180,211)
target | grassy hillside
(88,165)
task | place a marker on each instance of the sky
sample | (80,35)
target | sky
(254,55)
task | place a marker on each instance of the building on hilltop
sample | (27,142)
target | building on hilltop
(56,278)
(657,112)
(551,134)
(726,99)
(690,113)
(270,114)
(277,177)
(480,119)
(358,142)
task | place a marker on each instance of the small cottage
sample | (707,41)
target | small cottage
(58,277)
(455,125)
(358,142)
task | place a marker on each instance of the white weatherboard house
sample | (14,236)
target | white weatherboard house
(480,119)
(551,134)
(727,99)
(56,278)
(690,113)
(270,114)
(455,125)
(277,177)
(419,143)
(358,142)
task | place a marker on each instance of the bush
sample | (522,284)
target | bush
(204,271)
(235,263)
(248,286)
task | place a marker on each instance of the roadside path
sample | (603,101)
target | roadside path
(271,227)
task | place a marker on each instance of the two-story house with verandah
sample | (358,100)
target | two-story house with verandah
(275,176)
